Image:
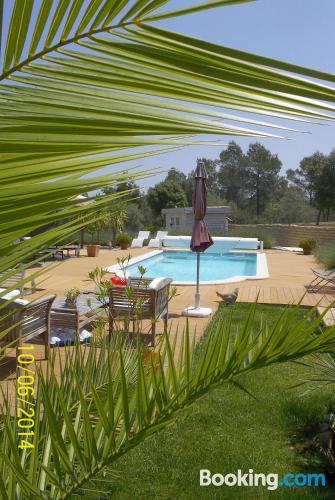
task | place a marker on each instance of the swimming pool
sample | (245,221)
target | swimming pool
(180,265)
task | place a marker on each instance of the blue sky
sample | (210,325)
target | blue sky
(298,31)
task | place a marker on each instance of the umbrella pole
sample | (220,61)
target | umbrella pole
(197,291)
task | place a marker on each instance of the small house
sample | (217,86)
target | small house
(181,218)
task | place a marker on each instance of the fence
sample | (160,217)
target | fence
(289,235)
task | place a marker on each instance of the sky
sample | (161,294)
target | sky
(298,31)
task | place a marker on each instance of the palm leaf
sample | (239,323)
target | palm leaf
(90,424)
(142,86)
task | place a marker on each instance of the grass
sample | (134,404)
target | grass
(326,255)
(229,430)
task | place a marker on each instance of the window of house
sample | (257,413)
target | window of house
(171,221)
(177,221)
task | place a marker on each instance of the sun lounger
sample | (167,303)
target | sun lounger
(158,240)
(15,280)
(322,278)
(139,241)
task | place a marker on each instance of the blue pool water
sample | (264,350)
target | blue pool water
(181,265)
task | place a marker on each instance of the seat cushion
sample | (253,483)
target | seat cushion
(12,294)
(159,283)
(67,336)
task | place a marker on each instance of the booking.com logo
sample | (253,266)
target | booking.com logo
(251,478)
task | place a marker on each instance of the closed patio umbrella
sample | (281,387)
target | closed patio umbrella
(201,239)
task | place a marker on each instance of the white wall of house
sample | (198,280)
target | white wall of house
(182,218)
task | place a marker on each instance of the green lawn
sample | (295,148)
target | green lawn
(229,430)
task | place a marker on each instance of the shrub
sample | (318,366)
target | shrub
(253,233)
(124,239)
(153,228)
(308,245)
(267,240)
(326,255)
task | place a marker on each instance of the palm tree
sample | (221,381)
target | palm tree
(87,84)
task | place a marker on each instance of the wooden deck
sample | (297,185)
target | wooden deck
(289,273)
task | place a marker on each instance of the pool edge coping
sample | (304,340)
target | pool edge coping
(262,270)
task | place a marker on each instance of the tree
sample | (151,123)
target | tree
(324,197)
(166,194)
(232,174)
(117,218)
(176,175)
(305,177)
(292,207)
(127,186)
(262,179)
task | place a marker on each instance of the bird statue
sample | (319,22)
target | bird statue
(229,297)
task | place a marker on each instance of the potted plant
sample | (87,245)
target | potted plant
(71,296)
(307,246)
(92,250)
(124,240)
(94,229)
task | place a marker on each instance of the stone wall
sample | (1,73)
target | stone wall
(290,235)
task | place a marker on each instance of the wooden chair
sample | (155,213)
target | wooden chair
(148,299)
(23,321)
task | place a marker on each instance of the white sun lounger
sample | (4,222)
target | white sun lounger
(157,241)
(138,242)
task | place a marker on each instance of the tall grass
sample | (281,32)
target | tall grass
(326,255)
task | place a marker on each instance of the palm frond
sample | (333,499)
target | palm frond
(141,86)
(109,399)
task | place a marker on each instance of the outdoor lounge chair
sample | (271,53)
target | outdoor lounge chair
(157,241)
(322,278)
(15,281)
(23,321)
(149,299)
(139,241)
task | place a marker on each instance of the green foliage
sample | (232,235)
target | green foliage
(230,429)
(308,245)
(65,116)
(84,118)
(109,400)
(128,188)
(123,239)
(305,177)
(166,194)
(153,228)
(72,293)
(254,233)
(326,255)
(316,178)
(232,170)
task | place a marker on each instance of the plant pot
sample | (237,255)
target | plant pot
(124,246)
(71,304)
(306,251)
(92,250)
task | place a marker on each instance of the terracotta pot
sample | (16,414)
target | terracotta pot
(92,250)
(124,246)
(307,251)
